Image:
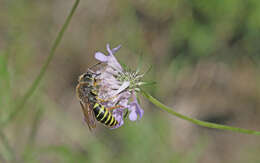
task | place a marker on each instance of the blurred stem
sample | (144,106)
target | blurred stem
(195,121)
(9,151)
(35,126)
(36,82)
(32,136)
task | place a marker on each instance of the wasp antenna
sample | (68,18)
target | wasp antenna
(91,71)
(95,65)
(98,74)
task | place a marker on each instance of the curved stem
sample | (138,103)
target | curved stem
(195,121)
(10,156)
(36,82)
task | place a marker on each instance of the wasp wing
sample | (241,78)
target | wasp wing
(97,67)
(88,115)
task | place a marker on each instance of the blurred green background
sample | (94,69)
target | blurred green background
(204,57)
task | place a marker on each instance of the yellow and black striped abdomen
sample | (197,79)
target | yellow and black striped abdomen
(104,116)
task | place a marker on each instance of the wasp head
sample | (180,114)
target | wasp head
(87,77)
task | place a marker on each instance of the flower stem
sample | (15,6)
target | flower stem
(20,106)
(10,156)
(198,122)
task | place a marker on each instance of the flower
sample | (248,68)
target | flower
(118,87)
(135,110)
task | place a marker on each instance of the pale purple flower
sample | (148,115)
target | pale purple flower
(135,109)
(118,87)
(118,114)
(110,59)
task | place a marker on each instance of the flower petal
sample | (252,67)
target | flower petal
(101,57)
(122,87)
(109,50)
(135,109)
(112,61)
(123,103)
(133,116)
(116,49)
(118,114)
(140,111)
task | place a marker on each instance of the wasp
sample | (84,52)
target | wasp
(87,92)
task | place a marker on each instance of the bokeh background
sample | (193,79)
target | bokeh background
(205,62)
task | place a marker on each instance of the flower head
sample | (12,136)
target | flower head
(118,87)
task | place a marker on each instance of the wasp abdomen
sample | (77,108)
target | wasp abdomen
(104,116)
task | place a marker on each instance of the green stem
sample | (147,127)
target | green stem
(36,82)
(198,122)
(9,150)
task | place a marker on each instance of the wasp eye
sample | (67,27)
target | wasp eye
(87,76)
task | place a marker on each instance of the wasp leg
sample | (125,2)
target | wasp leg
(114,107)
(101,100)
(105,100)
(96,82)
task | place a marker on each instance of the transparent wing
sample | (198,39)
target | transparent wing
(97,68)
(88,115)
